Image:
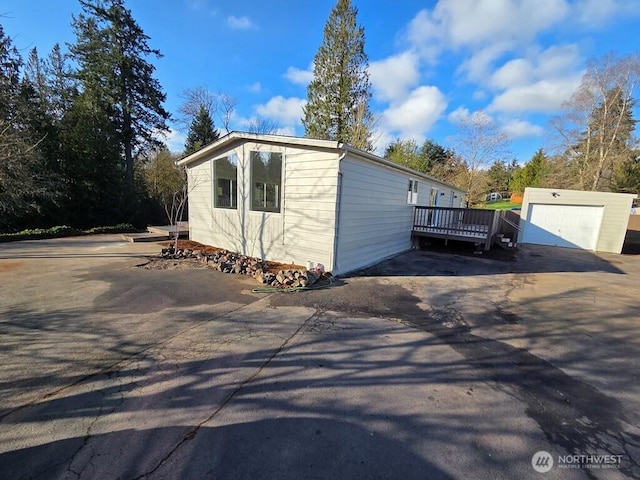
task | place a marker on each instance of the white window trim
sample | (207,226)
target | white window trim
(255,147)
(412,192)
(214,183)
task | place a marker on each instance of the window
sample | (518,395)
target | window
(266,181)
(226,182)
(433,197)
(412,193)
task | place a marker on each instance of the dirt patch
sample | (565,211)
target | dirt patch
(170,264)
(191,245)
(156,263)
(10,266)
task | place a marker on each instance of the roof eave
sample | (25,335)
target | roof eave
(397,166)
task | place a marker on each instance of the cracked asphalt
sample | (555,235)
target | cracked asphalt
(430,365)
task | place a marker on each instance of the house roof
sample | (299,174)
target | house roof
(234,137)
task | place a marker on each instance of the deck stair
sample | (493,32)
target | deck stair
(157,233)
(505,242)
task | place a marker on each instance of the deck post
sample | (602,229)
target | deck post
(491,232)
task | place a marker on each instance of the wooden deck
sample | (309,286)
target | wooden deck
(464,224)
(158,233)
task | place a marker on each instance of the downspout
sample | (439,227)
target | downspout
(337,213)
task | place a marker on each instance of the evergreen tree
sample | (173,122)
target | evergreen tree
(499,176)
(111,51)
(339,94)
(407,153)
(62,85)
(91,165)
(423,158)
(532,174)
(201,131)
(10,64)
(25,186)
(627,177)
(434,154)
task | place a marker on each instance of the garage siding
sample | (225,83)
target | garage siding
(615,214)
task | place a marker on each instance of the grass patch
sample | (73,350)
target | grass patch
(501,205)
(64,231)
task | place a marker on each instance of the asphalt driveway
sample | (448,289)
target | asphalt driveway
(431,365)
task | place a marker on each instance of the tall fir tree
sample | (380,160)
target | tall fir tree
(532,174)
(500,175)
(111,51)
(25,185)
(10,65)
(339,94)
(201,131)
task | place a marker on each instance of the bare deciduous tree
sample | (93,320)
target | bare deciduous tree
(196,99)
(479,143)
(596,126)
(227,109)
(220,106)
(262,125)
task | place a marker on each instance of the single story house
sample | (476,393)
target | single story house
(595,221)
(301,200)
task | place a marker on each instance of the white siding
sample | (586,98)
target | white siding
(615,215)
(375,220)
(302,231)
(200,184)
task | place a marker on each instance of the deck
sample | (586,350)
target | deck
(158,233)
(464,224)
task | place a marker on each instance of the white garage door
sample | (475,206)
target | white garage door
(573,226)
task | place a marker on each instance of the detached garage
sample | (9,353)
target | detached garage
(595,221)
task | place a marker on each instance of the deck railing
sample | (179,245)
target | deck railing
(469,224)
(509,224)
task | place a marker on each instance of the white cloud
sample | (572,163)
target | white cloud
(381,140)
(175,140)
(469,22)
(542,96)
(414,116)
(286,111)
(392,77)
(514,73)
(459,115)
(255,87)
(424,34)
(482,30)
(597,13)
(539,83)
(521,128)
(239,23)
(478,24)
(298,76)
(288,131)
(479,95)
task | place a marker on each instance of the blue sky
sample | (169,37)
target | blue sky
(431,62)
